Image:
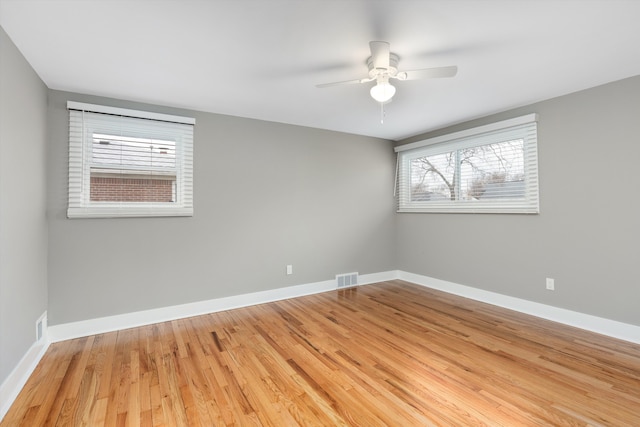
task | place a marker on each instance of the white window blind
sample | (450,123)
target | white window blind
(490,169)
(127,163)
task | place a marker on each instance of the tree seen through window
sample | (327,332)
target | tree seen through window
(493,171)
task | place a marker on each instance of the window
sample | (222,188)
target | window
(492,168)
(126,163)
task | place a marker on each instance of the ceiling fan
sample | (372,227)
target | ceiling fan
(383,65)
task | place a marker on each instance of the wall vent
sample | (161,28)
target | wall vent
(41,324)
(347,280)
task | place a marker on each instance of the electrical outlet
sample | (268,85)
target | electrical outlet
(289,269)
(551,285)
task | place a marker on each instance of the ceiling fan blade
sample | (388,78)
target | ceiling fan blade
(380,54)
(428,73)
(346,82)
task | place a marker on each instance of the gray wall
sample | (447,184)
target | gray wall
(265,195)
(23,222)
(587,234)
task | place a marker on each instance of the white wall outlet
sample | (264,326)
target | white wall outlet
(551,285)
(289,269)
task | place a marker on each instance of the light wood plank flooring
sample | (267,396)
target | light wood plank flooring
(389,354)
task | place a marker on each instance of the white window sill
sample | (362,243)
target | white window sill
(128,212)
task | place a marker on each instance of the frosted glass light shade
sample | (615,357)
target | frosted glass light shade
(383,91)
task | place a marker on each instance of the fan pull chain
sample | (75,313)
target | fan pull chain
(382,113)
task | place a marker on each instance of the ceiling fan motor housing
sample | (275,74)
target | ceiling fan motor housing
(391,71)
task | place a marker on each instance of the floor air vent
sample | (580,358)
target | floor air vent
(347,280)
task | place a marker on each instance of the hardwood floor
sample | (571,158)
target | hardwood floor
(391,354)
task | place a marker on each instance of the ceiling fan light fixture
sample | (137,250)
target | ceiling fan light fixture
(383,66)
(383,91)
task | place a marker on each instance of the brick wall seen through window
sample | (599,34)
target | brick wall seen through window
(108,189)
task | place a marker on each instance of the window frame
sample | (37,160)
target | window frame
(87,119)
(524,127)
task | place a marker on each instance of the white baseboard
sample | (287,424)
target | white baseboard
(612,328)
(84,328)
(588,322)
(16,380)
(367,279)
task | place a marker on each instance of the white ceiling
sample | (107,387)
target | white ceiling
(262,58)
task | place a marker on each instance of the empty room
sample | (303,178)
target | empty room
(319,213)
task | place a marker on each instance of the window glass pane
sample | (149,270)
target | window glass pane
(129,169)
(494,171)
(432,177)
(133,153)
